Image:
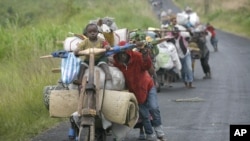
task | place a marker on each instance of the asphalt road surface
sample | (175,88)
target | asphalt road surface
(218,102)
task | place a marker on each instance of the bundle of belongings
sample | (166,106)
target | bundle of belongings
(109,30)
(119,108)
(188,18)
(195,50)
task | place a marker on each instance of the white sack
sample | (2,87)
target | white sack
(117,83)
(163,59)
(184,32)
(194,19)
(167,57)
(174,55)
(181,18)
(70,43)
(120,35)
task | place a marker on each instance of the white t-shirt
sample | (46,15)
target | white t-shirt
(178,48)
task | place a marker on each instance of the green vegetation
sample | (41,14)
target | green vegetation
(228,15)
(28,30)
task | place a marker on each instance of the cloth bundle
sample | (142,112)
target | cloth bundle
(195,50)
(70,68)
(167,57)
(120,107)
(117,83)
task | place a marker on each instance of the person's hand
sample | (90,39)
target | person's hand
(144,51)
(139,45)
(131,42)
(107,48)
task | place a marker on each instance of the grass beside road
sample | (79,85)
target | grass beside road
(28,30)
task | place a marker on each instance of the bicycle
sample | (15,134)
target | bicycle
(90,102)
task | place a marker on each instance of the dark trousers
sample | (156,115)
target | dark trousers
(204,63)
(214,42)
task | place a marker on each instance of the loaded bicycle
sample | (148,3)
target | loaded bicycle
(88,127)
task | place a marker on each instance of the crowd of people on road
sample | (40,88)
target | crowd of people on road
(200,34)
(180,29)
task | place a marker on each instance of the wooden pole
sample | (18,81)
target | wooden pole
(56,70)
(46,56)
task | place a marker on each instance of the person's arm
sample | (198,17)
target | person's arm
(106,45)
(157,41)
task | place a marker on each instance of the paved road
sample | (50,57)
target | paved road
(224,98)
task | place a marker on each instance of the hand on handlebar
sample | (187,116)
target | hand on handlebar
(108,48)
(143,51)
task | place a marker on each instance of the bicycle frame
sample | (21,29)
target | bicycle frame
(88,104)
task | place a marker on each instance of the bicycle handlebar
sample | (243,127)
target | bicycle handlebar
(117,49)
(86,52)
(113,50)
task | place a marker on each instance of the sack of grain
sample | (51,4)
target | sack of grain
(70,43)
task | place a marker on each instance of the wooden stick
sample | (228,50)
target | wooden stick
(46,56)
(160,30)
(81,36)
(153,29)
(59,42)
(167,30)
(56,70)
